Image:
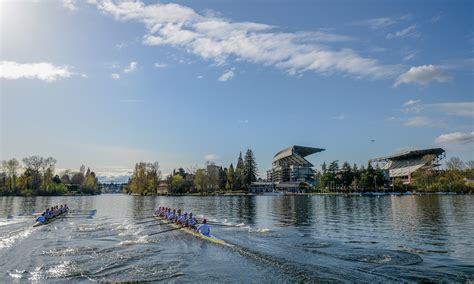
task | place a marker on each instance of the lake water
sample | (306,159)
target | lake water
(274,239)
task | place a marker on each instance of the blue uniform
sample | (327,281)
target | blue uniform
(191,222)
(205,230)
(41,219)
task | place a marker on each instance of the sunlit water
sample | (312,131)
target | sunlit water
(274,239)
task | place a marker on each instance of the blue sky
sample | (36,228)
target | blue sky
(107,84)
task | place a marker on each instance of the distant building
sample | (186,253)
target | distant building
(290,165)
(261,187)
(404,164)
(162,187)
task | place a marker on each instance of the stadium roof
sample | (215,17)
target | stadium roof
(295,155)
(410,154)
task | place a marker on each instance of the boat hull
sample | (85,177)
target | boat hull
(211,239)
(37,224)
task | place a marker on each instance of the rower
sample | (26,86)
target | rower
(204,228)
(191,221)
(182,218)
(171,215)
(178,215)
(41,218)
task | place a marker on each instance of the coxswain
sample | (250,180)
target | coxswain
(204,228)
(41,219)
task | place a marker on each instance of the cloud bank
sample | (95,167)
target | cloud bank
(220,40)
(455,137)
(44,71)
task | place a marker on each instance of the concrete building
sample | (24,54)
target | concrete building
(290,165)
(404,164)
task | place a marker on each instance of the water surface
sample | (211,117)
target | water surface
(274,239)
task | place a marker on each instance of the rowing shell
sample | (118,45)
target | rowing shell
(211,239)
(37,224)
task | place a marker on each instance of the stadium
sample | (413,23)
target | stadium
(290,165)
(404,164)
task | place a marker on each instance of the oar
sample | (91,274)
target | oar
(145,222)
(152,234)
(148,217)
(222,225)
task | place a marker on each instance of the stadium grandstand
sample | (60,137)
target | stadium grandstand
(404,164)
(290,165)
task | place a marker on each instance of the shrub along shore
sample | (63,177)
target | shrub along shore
(35,177)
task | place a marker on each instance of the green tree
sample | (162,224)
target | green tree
(230,178)
(11,168)
(347,176)
(239,173)
(201,180)
(250,171)
(222,178)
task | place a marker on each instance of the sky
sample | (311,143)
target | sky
(110,83)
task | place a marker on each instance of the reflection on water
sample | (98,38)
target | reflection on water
(274,239)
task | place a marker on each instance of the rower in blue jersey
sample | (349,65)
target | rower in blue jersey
(171,215)
(191,221)
(204,228)
(41,218)
(182,219)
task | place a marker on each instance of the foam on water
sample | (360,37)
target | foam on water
(12,237)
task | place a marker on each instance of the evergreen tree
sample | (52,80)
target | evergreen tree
(324,168)
(230,178)
(250,169)
(239,173)
(222,178)
(347,176)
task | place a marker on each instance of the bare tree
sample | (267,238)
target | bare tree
(48,164)
(11,168)
(33,163)
(455,164)
(470,164)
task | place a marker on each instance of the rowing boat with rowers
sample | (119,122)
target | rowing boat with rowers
(37,224)
(190,231)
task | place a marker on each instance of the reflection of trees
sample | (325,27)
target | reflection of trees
(143,206)
(293,210)
(430,215)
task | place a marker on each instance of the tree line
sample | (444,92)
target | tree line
(36,176)
(457,176)
(147,179)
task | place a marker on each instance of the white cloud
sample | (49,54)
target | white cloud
(423,75)
(227,75)
(377,23)
(200,77)
(160,65)
(211,157)
(131,67)
(409,56)
(70,5)
(407,32)
(411,102)
(455,137)
(418,121)
(220,40)
(44,71)
(115,76)
(465,109)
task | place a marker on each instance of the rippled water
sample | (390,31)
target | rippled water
(274,239)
